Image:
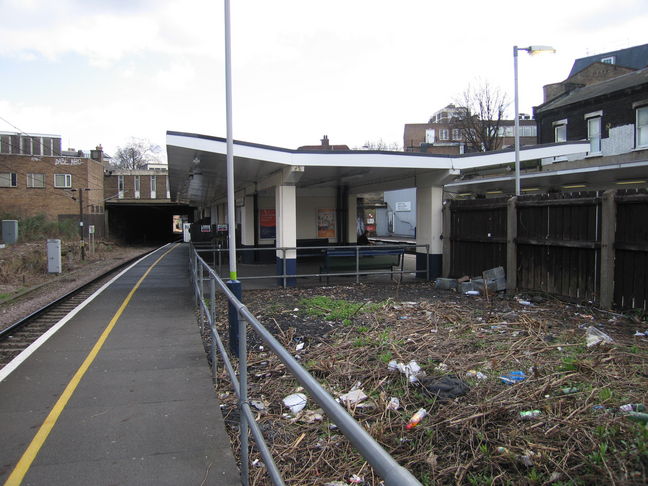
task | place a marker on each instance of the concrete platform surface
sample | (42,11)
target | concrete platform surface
(144,413)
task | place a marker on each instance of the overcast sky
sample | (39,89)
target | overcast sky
(98,71)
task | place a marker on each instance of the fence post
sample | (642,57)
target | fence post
(212,311)
(511,244)
(447,228)
(357,262)
(201,298)
(608,237)
(243,400)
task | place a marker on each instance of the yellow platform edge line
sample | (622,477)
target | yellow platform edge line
(17,475)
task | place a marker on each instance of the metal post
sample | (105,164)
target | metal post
(212,310)
(357,264)
(194,275)
(231,215)
(220,260)
(81,232)
(233,282)
(285,267)
(201,299)
(517,121)
(232,313)
(243,399)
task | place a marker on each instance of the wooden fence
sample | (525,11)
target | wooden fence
(585,246)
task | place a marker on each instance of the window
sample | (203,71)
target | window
(609,60)
(62,180)
(509,131)
(26,143)
(120,187)
(642,126)
(136,183)
(37,145)
(456,134)
(528,131)
(35,180)
(153,187)
(594,134)
(443,134)
(47,146)
(168,189)
(5,144)
(430,135)
(560,131)
(8,179)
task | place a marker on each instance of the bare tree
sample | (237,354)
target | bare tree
(136,154)
(480,122)
(380,144)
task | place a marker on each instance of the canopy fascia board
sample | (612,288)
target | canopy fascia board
(370,159)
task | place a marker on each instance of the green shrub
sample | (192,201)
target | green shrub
(39,227)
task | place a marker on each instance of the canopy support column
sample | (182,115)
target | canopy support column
(429,228)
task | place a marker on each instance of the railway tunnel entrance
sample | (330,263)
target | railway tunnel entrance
(139,223)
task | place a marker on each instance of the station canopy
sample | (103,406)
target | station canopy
(198,166)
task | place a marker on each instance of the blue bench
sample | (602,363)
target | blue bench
(340,260)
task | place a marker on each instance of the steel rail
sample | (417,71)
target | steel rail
(205,248)
(4,333)
(385,465)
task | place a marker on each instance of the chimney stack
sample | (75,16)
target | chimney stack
(97,154)
(325,141)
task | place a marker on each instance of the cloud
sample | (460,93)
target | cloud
(176,77)
(105,32)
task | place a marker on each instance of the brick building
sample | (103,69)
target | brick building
(443,135)
(604,100)
(122,185)
(36,179)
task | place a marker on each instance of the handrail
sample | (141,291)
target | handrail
(355,250)
(384,464)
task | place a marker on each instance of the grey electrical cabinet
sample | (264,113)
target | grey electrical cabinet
(54,256)
(10,231)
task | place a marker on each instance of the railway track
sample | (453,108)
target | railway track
(19,335)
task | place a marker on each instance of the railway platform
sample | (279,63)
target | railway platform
(121,394)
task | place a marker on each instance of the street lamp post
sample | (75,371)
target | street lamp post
(531,50)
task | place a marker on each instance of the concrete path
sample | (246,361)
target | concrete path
(144,412)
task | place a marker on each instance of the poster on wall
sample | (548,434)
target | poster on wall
(326,223)
(267,224)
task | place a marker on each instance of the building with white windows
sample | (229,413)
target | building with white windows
(442,134)
(604,101)
(37,178)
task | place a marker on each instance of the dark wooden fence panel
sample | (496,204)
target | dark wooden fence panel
(631,265)
(558,244)
(478,236)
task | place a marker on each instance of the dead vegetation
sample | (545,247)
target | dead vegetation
(574,432)
(25,285)
(25,264)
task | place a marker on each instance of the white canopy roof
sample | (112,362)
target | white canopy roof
(198,175)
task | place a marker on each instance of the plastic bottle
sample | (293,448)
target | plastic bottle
(416,418)
(529,414)
(633,407)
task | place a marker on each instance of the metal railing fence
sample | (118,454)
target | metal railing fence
(206,283)
(219,256)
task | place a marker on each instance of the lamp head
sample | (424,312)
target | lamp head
(532,50)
